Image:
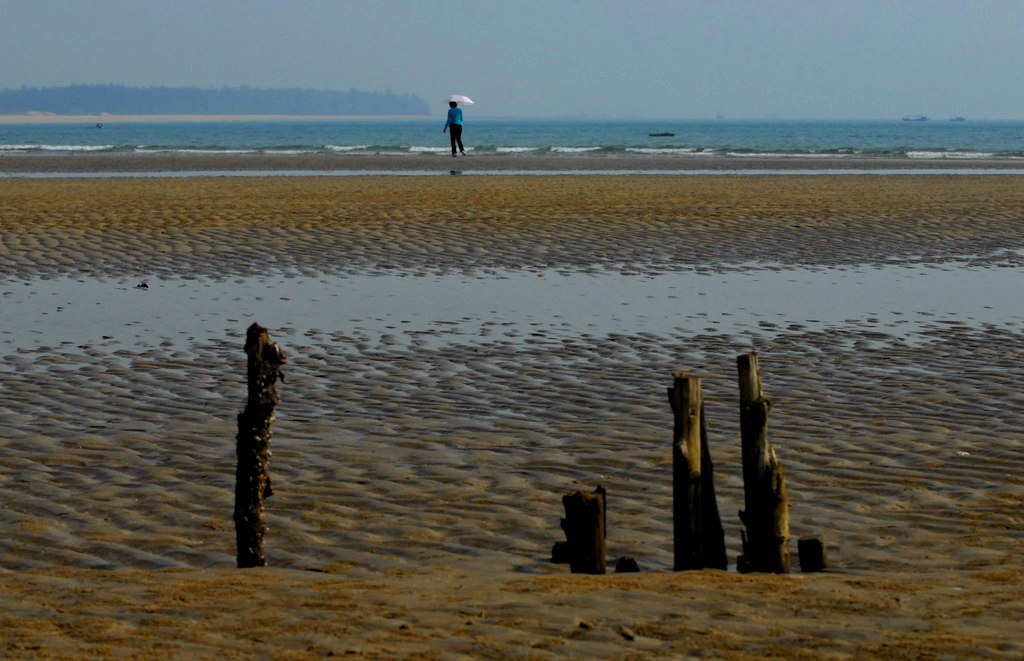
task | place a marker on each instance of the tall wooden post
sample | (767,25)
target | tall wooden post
(252,476)
(766,504)
(712,533)
(585,526)
(686,400)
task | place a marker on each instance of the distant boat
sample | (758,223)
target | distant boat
(958,118)
(915,118)
(661,135)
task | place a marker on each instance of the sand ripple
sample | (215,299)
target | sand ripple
(407,457)
(427,476)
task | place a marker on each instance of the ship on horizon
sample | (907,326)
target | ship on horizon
(915,118)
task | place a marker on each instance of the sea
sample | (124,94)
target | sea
(956,140)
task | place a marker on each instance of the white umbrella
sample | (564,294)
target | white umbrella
(458,98)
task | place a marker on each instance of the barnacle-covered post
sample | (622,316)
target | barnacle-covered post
(252,476)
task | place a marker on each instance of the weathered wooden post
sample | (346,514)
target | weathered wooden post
(252,477)
(585,531)
(699,539)
(686,400)
(712,533)
(766,504)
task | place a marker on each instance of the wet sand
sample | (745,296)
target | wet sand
(14,163)
(418,483)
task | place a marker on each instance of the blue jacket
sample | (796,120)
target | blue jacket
(454,116)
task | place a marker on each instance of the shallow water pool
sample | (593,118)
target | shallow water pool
(513,306)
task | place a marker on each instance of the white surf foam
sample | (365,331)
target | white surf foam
(949,154)
(55,147)
(681,151)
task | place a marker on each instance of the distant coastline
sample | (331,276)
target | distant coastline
(108,118)
(124,100)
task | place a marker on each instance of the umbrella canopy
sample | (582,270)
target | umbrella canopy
(459,98)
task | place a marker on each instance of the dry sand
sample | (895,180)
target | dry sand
(418,484)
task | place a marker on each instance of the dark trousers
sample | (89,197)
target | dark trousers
(455,130)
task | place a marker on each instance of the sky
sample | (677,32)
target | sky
(656,59)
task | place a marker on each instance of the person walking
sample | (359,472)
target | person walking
(455,124)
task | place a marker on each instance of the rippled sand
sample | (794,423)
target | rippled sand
(418,484)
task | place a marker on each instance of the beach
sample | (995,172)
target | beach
(419,461)
(166,164)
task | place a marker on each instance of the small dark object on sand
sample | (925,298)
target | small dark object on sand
(813,554)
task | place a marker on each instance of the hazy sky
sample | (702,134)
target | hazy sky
(618,58)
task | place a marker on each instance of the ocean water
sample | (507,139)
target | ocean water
(954,140)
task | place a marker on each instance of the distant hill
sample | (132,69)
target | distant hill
(123,100)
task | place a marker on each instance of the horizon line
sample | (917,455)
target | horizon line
(45,117)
